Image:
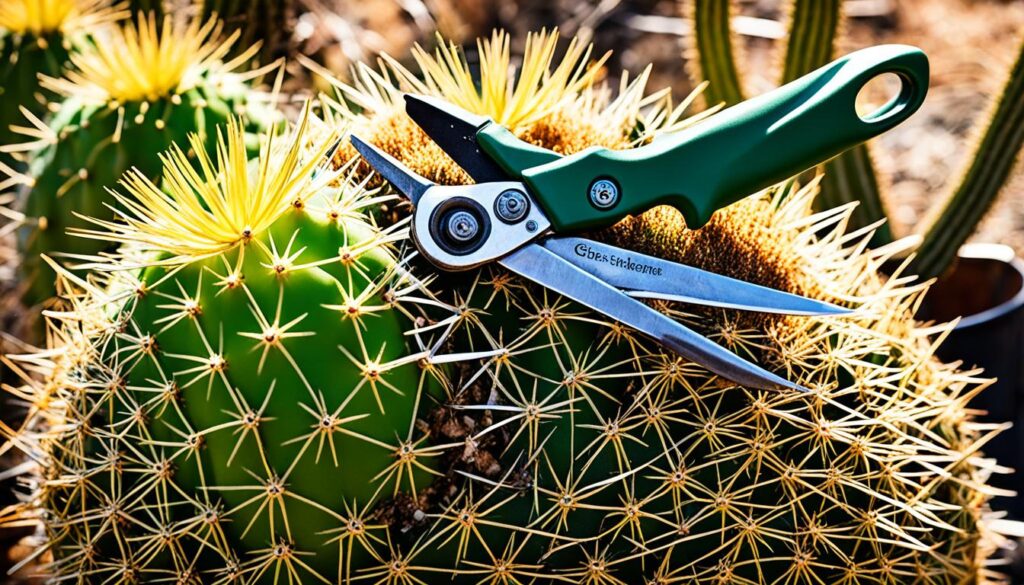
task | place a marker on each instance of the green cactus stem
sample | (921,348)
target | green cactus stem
(814,26)
(712,54)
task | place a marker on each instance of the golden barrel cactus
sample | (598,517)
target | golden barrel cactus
(267,386)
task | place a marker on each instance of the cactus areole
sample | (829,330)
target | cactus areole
(265,385)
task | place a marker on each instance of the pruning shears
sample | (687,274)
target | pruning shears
(527,200)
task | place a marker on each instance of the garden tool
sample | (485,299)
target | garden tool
(529,201)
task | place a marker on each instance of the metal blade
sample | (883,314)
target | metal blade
(400,176)
(454,130)
(548,269)
(647,277)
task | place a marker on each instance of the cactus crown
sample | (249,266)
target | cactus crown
(147,60)
(40,17)
(222,203)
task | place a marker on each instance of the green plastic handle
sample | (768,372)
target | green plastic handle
(725,158)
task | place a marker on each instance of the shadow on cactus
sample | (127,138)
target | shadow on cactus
(264,386)
(131,94)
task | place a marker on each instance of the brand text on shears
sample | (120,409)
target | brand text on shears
(624,262)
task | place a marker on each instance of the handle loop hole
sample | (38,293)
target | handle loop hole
(895,88)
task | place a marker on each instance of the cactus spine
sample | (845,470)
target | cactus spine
(127,99)
(485,430)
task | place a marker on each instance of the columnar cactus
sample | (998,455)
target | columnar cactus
(266,386)
(138,89)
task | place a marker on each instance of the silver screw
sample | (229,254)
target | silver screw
(462,226)
(604,193)
(511,206)
(531,226)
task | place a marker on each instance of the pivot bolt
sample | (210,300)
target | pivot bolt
(511,206)
(604,193)
(462,226)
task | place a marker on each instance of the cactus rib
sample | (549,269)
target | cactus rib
(712,56)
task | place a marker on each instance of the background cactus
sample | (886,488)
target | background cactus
(273,397)
(35,36)
(269,23)
(984,175)
(142,87)
(711,57)
(851,177)
(154,7)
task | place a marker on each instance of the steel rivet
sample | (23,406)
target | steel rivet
(511,206)
(462,226)
(604,193)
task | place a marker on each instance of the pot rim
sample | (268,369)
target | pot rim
(999,253)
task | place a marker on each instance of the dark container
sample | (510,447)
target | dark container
(986,290)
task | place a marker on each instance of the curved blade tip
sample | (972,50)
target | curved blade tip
(421,107)
(834,310)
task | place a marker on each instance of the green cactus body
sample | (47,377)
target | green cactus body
(22,58)
(273,386)
(242,397)
(92,142)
